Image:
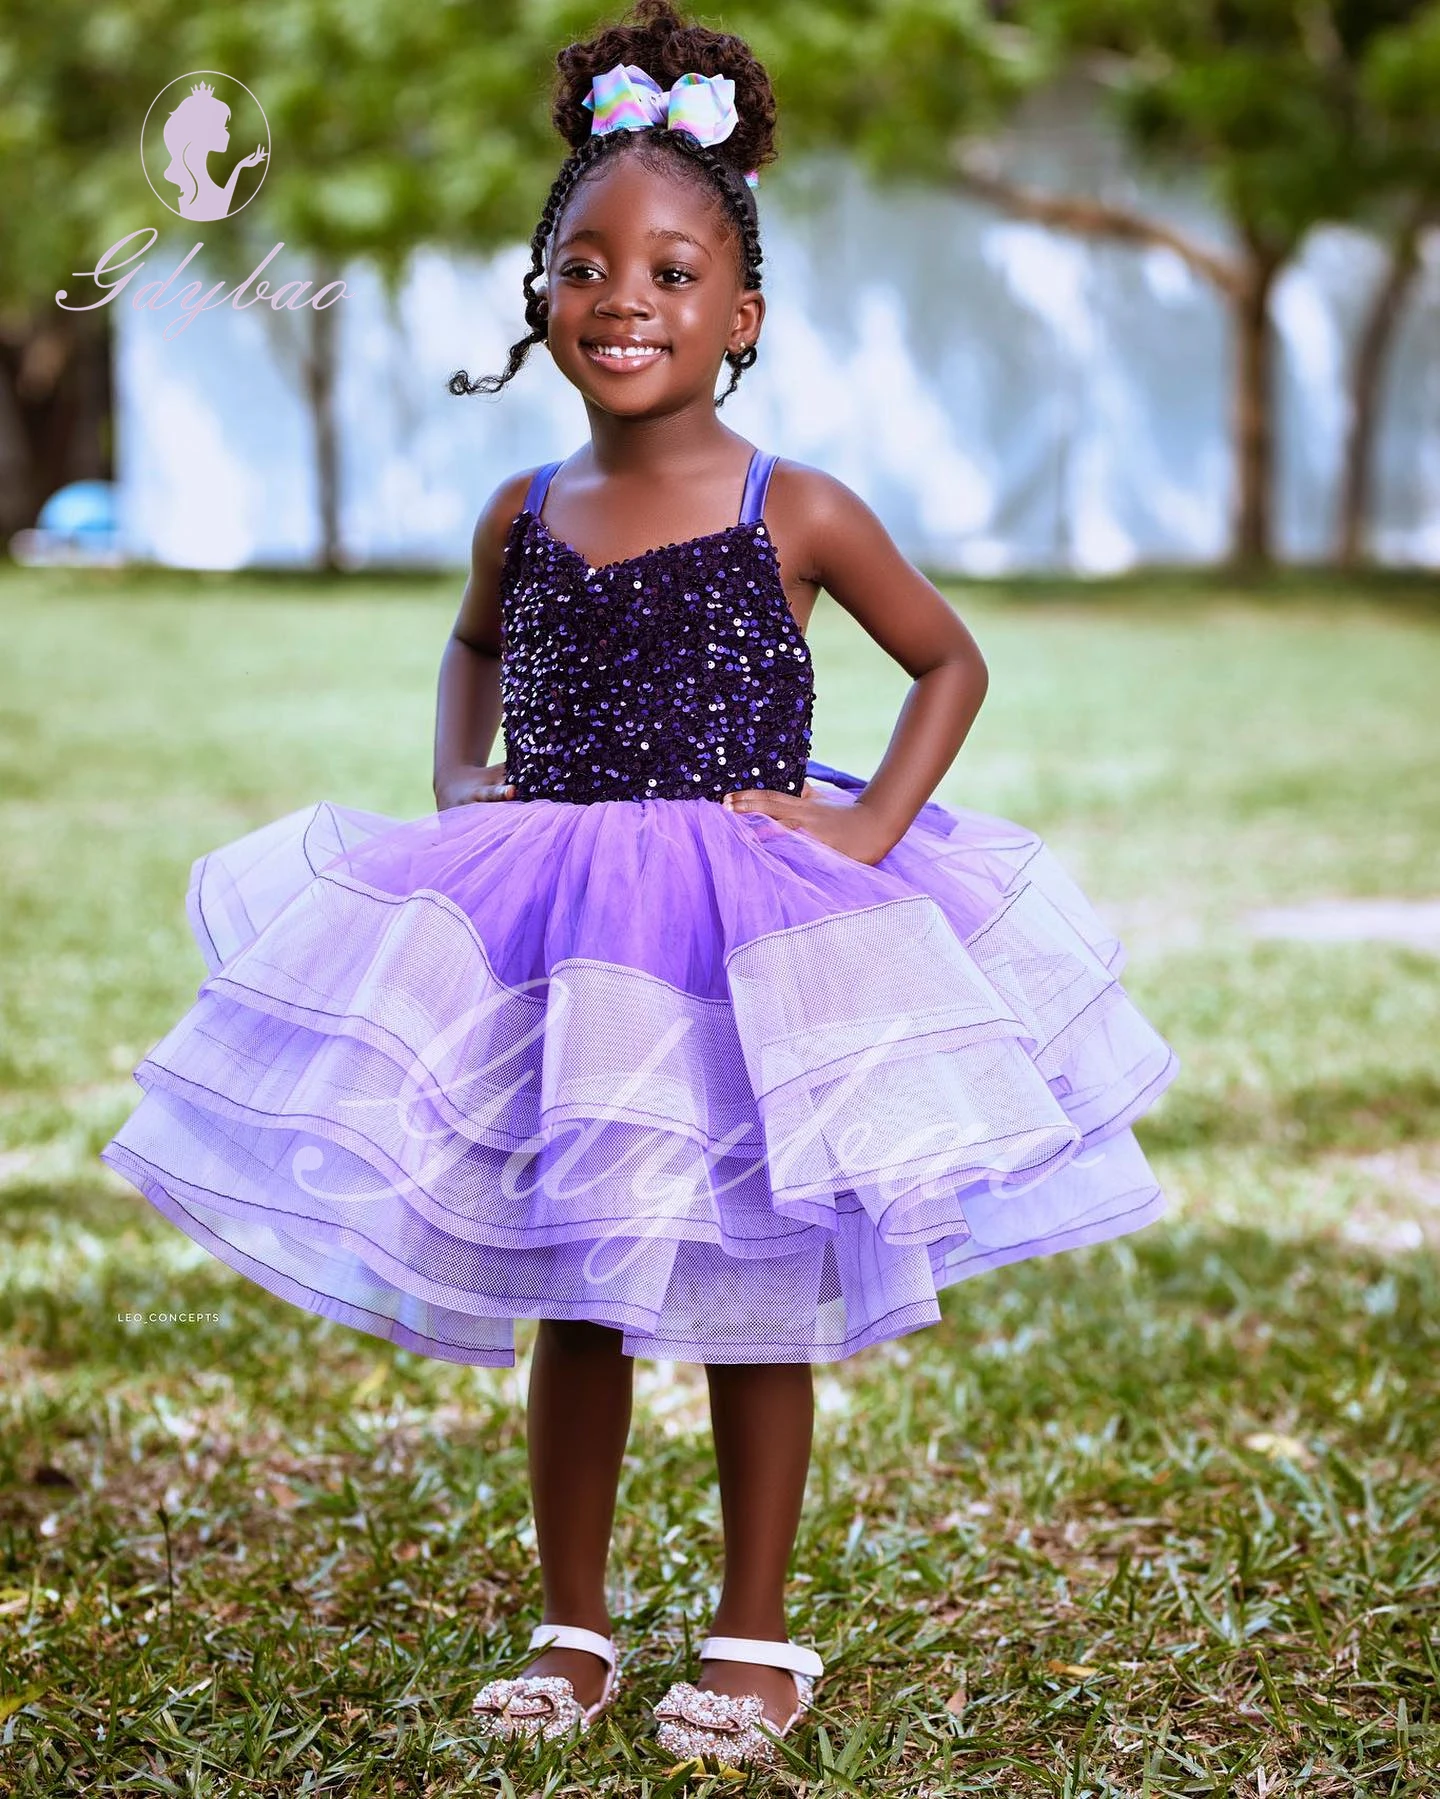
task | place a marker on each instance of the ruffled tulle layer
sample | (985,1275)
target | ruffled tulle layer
(677,1070)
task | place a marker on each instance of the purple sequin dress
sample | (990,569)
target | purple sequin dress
(610,1051)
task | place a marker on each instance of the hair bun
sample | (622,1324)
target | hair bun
(655,38)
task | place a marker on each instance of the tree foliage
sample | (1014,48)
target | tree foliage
(1295,113)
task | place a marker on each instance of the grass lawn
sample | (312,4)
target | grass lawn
(1157,1519)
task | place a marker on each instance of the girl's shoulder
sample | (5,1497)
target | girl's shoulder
(805,503)
(508,499)
(499,513)
(806,485)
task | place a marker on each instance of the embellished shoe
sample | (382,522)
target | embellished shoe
(544,1705)
(730,1726)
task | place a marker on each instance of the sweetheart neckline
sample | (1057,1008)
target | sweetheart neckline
(684,543)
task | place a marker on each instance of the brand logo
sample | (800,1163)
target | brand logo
(193,119)
(193,150)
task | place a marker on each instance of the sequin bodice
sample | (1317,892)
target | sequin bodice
(676,674)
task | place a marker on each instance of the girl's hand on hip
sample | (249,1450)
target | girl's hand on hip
(462,786)
(843,824)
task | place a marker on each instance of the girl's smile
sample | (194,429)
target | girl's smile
(622,355)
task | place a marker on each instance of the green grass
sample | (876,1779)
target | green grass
(1157,1519)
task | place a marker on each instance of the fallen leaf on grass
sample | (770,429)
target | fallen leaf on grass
(436,1605)
(20,1599)
(371,1384)
(1279,1447)
(1075,1670)
(958,1700)
(12,1702)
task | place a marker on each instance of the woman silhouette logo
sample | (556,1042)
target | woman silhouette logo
(187,123)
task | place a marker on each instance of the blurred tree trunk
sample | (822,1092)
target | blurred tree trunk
(1253,401)
(55,410)
(319,368)
(1245,282)
(1372,354)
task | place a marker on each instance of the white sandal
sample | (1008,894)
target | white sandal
(693,1722)
(544,1705)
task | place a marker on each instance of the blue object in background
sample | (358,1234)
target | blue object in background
(80,522)
(83,506)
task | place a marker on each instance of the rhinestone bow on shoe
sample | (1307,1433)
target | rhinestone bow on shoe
(544,1705)
(693,1723)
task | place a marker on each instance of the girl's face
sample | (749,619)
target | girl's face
(645,291)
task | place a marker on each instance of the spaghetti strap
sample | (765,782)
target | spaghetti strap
(757,485)
(539,487)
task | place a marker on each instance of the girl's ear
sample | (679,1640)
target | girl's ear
(749,316)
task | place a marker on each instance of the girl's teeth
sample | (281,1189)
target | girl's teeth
(628,351)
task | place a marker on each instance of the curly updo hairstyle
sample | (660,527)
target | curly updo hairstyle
(654,38)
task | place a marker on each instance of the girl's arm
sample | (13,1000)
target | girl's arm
(830,537)
(467,704)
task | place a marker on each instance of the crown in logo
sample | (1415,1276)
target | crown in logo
(202,87)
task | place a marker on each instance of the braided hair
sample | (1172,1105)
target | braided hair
(658,40)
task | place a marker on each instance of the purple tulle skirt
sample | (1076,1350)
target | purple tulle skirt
(681,1071)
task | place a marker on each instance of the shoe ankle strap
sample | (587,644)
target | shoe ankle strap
(794,1656)
(574,1636)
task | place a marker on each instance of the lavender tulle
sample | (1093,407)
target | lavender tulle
(681,1071)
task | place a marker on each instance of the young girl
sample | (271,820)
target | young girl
(645,1035)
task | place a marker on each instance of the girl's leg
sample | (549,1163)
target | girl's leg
(762,1415)
(578,1421)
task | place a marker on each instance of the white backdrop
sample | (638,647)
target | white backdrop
(1006,398)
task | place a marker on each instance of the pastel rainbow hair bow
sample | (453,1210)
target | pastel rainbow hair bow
(627,99)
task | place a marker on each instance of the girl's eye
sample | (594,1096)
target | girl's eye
(570,270)
(683,274)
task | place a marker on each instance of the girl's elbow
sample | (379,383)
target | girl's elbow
(979,673)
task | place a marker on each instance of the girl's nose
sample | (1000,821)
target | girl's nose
(625,303)
(625,309)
